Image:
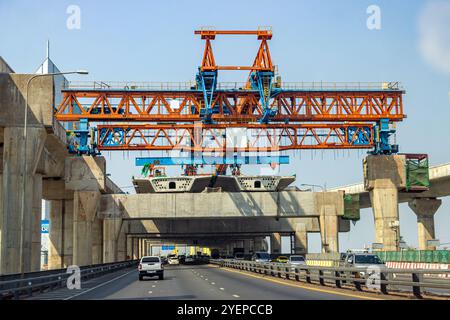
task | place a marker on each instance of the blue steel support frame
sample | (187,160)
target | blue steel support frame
(207,82)
(208,160)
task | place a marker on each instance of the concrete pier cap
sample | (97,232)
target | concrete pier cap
(425,208)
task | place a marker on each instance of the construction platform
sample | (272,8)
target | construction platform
(196,184)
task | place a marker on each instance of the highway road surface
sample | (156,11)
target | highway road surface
(196,282)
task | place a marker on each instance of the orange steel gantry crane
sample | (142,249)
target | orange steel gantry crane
(195,117)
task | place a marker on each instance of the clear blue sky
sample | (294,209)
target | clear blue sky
(313,41)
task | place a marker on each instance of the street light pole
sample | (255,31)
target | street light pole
(24,159)
(313,185)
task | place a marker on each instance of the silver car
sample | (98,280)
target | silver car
(296,260)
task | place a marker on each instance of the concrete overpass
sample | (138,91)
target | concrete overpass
(385,195)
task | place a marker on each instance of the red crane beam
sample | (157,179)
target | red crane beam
(252,138)
(230,106)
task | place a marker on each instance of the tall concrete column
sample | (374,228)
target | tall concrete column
(275,243)
(85,205)
(111,232)
(383,176)
(86,177)
(425,208)
(329,226)
(12,228)
(56,235)
(129,244)
(248,246)
(36,223)
(135,243)
(97,241)
(122,242)
(60,234)
(330,206)
(301,239)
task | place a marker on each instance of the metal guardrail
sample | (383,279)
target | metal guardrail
(191,85)
(344,277)
(15,286)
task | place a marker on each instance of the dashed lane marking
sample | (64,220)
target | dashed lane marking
(100,285)
(235,295)
(303,287)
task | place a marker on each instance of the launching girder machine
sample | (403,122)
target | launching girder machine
(263,113)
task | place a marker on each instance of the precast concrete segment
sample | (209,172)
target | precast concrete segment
(11,226)
(220,205)
(197,184)
(425,209)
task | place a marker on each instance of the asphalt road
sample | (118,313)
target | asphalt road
(191,282)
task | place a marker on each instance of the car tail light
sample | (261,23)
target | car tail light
(140,266)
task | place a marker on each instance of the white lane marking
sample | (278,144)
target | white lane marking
(221,288)
(153,286)
(235,295)
(150,292)
(206,279)
(213,283)
(100,285)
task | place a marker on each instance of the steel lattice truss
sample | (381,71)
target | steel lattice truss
(244,106)
(220,138)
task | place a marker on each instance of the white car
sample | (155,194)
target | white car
(297,260)
(174,260)
(151,266)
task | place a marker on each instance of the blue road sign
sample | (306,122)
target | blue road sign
(44,226)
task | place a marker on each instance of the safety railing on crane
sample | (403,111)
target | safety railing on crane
(191,85)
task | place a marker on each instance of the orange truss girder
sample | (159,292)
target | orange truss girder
(231,106)
(213,138)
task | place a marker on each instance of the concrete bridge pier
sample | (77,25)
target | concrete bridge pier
(84,212)
(61,223)
(383,176)
(12,228)
(301,239)
(86,177)
(111,233)
(425,208)
(330,207)
(275,243)
(135,248)
(60,234)
(248,246)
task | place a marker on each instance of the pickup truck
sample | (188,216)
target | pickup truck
(151,266)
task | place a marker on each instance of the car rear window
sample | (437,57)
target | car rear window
(367,259)
(150,260)
(297,259)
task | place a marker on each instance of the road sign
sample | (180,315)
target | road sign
(168,247)
(377,246)
(433,243)
(45,226)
